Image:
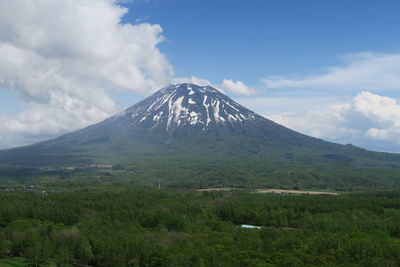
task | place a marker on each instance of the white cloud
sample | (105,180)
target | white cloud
(281,104)
(237,87)
(362,71)
(44,121)
(369,120)
(65,58)
(192,80)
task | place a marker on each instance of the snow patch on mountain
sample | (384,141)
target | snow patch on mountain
(189,105)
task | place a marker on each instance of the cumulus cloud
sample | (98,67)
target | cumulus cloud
(65,58)
(237,87)
(44,121)
(363,121)
(361,71)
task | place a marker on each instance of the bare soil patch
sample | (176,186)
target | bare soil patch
(288,192)
(213,189)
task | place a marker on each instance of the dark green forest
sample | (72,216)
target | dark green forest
(210,172)
(150,227)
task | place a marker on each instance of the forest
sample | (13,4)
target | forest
(206,173)
(151,227)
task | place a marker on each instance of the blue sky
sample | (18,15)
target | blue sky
(329,69)
(248,40)
(8,103)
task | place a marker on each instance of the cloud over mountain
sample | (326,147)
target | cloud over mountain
(237,87)
(365,119)
(66,59)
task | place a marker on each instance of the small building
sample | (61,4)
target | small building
(248,226)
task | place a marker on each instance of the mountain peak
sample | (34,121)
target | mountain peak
(189,88)
(186,121)
(188,105)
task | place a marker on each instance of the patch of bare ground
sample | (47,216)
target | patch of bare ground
(213,189)
(288,192)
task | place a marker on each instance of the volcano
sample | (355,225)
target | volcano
(187,125)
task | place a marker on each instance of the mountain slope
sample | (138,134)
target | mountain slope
(192,128)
